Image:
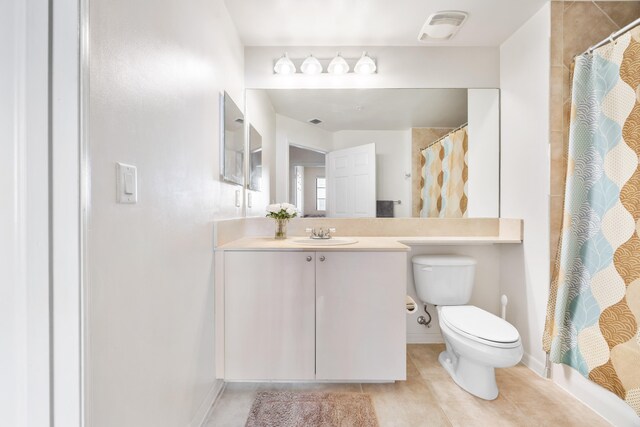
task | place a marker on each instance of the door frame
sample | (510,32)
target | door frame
(289,167)
(42,215)
(69,77)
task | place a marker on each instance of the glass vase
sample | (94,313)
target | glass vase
(281,229)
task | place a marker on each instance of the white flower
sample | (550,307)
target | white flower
(274,208)
(282,211)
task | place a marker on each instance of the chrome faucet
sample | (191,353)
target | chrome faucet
(320,233)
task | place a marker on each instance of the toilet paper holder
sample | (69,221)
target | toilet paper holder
(411,304)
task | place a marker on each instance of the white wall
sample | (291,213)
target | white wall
(260,113)
(155,82)
(398,67)
(393,161)
(289,131)
(524,84)
(484,153)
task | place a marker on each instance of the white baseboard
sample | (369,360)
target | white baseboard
(205,407)
(534,364)
(606,404)
(424,339)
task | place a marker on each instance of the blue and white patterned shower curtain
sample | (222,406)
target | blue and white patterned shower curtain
(594,303)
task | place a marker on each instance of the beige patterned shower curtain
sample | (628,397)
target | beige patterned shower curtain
(443,187)
(593,315)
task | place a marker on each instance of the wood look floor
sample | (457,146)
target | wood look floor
(429,397)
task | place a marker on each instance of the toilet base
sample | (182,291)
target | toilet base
(477,379)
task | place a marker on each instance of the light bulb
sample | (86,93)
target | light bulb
(365,65)
(338,65)
(311,66)
(284,65)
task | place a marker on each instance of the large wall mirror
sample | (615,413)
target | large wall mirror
(431,153)
(232,147)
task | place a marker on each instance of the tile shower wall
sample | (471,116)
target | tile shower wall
(575,25)
(420,139)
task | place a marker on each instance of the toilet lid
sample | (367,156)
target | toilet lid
(475,322)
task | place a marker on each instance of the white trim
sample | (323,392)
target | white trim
(65,211)
(532,363)
(413,338)
(24,214)
(302,147)
(601,401)
(84,170)
(14,318)
(205,408)
(218,311)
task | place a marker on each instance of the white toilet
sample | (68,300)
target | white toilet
(477,341)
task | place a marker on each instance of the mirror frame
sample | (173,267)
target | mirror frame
(240,180)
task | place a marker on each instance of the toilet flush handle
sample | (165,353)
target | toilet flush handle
(428,268)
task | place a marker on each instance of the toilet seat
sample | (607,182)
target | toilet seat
(480,326)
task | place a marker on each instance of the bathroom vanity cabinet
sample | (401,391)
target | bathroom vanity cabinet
(305,315)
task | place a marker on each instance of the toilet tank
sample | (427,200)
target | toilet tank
(444,279)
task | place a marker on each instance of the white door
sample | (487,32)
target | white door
(351,182)
(269,300)
(360,316)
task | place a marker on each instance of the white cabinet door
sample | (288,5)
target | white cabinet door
(360,316)
(269,315)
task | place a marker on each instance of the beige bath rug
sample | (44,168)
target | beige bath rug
(311,409)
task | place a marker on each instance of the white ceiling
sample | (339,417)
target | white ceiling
(373,109)
(372,22)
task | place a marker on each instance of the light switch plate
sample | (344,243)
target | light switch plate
(126,183)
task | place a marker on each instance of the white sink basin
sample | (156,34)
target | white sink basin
(334,241)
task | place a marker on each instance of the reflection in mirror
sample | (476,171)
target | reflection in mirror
(255,159)
(443,191)
(307,166)
(232,155)
(386,152)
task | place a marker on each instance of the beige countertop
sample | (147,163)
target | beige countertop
(362,243)
(257,233)
(383,244)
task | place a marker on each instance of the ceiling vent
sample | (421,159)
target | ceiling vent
(315,121)
(442,26)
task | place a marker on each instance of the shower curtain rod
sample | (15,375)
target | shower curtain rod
(420,150)
(613,36)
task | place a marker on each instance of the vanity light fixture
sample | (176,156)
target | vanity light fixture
(311,66)
(338,65)
(365,65)
(284,65)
